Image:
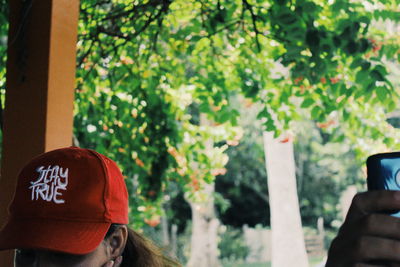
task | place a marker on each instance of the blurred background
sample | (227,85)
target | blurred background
(242,126)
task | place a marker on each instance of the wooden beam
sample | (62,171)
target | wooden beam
(39,88)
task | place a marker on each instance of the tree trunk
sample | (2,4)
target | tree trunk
(174,240)
(165,231)
(204,240)
(288,247)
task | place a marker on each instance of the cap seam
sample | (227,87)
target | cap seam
(106,187)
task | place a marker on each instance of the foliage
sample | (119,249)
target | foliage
(3,54)
(245,183)
(324,170)
(232,246)
(157,96)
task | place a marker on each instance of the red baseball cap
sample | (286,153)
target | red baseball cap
(65,200)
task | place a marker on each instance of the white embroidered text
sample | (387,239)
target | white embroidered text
(51,181)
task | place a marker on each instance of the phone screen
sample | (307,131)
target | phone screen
(384,172)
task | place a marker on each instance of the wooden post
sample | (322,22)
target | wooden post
(40,87)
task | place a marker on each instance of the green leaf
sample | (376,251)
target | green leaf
(309,7)
(263,114)
(361,76)
(356,63)
(381,92)
(365,65)
(307,102)
(224,117)
(382,70)
(346,115)
(204,107)
(391,106)
(287,18)
(315,112)
(377,75)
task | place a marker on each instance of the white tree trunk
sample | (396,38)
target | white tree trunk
(288,247)
(165,231)
(204,240)
(174,240)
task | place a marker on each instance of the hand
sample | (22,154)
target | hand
(368,237)
(114,263)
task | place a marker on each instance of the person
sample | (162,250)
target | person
(369,236)
(70,208)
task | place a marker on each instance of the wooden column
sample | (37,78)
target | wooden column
(40,87)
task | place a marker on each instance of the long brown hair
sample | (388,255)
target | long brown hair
(141,252)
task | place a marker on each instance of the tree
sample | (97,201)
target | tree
(220,49)
(287,231)
(244,184)
(324,170)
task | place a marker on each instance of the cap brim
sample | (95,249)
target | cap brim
(48,234)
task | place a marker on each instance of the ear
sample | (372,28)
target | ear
(115,243)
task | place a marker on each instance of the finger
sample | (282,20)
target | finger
(371,248)
(379,264)
(118,261)
(372,202)
(380,225)
(109,264)
(368,265)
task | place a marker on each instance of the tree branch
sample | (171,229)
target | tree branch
(249,7)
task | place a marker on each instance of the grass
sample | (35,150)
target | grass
(313,262)
(255,264)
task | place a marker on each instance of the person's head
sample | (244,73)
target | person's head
(70,208)
(106,254)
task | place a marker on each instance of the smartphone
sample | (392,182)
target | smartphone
(383,173)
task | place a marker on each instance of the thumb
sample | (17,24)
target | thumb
(109,264)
